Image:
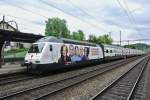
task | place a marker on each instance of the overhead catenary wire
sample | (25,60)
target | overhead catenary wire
(131,15)
(128,13)
(79,8)
(20,18)
(30,28)
(27,10)
(123,25)
(24,26)
(70,14)
(64,12)
(83,11)
(53,6)
(131,19)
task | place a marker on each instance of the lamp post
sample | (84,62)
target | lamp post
(120,38)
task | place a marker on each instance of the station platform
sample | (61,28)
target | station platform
(11,68)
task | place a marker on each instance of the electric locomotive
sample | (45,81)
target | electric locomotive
(51,54)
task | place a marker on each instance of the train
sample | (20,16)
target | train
(51,53)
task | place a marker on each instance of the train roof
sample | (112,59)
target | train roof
(120,47)
(50,39)
(112,46)
(64,40)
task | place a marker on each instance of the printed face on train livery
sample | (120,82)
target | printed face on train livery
(81,51)
(86,51)
(64,58)
(64,50)
(76,50)
(71,50)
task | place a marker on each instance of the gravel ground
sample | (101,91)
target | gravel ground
(142,87)
(35,82)
(140,91)
(90,87)
(146,89)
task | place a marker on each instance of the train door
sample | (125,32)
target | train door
(56,52)
(53,48)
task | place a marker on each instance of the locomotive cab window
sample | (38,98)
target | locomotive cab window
(110,51)
(50,48)
(36,48)
(106,51)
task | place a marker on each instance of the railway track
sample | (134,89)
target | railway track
(14,78)
(46,89)
(17,77)
(140,90)
(123,88)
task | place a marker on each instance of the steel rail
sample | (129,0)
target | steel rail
(115,81)
(42,96)
(137,81)
(57,81)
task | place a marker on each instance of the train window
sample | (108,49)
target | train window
(110,51)
(106,51)
(51,48)
(36,48)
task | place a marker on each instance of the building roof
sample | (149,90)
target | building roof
(8,25)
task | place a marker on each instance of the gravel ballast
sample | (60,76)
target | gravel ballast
(49,79)
(90,87)
(35,82)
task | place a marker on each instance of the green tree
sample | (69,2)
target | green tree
(56,27)
(93,38)
(79,35)
(105,39)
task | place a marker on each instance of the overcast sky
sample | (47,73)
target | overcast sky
(92,16)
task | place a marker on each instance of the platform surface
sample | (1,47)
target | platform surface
(11,68)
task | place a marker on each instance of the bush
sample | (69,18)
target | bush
(17,50)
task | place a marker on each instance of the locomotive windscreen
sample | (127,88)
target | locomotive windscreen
(36,48)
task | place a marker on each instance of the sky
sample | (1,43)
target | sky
(97,17)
